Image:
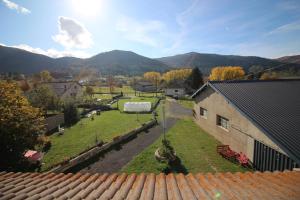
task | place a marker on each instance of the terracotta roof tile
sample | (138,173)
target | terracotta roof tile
(267,185)
(160,188)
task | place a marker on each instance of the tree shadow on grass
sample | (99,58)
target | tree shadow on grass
(175,167)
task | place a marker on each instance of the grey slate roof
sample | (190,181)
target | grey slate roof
(273,106)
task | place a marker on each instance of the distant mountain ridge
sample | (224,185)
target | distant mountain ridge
(127,62)
(206,61)
(112,62)
(290,59)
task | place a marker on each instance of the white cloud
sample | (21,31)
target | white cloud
(182,20)
(13,6)
(145,32)
(72,34)
(294,26)
(51,52)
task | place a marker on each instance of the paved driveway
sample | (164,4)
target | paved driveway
(175,110)
(114,160)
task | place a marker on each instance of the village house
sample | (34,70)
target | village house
(66,89)
(175,92)
(144,86)
(258,118)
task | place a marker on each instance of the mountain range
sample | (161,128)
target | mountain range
(128,63)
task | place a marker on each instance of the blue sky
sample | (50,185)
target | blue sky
(153,28)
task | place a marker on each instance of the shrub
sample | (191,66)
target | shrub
(71,114)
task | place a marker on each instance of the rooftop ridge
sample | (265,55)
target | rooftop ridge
(255,81)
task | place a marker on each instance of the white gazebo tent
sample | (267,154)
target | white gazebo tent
(137,107)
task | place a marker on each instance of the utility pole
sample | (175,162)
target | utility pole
(164,121)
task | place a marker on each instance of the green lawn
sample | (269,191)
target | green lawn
(186,103)
(124,89)
(83,135)
(103,96)
(134,99)
(195,148)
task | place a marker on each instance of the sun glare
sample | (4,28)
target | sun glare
(87,7)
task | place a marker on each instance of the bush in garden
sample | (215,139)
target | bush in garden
(71,114)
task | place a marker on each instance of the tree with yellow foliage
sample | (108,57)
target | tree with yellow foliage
(269,76)
(176,75)
(226,73)
(20,126)
(153,77)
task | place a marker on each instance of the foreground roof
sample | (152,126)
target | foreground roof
(278,185)
(273,106)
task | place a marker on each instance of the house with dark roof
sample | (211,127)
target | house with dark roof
(258,118)
(66,89)
(144,86)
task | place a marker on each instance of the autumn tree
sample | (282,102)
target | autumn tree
(269,76)
(176,75)
(24,85)
(20,126)
(227,73)
(44,98)
(154,78)
(45,76)
(195,80)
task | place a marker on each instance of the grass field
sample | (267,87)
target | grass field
(83,135)
(102,96)
(124,89)
(186,103)
(195,149)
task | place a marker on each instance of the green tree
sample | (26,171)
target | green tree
(255,72)
(195,80)
(71,114)
(20,126)
(44,98)
(89,91)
